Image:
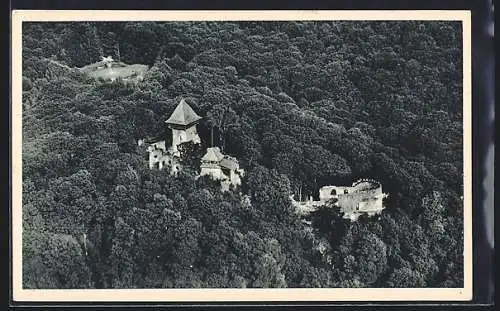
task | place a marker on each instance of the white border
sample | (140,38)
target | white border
(220,295)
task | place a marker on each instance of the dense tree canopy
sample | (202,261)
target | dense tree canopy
(300,104)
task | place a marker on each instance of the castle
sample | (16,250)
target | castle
(221,167)
(364,196)
(182,123)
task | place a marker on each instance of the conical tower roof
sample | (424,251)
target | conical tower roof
(183,115)
(213,155)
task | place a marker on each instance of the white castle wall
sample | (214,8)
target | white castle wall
(363,197)
(183,136)
(213,171)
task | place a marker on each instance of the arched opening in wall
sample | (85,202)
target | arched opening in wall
(346,191)
(333,192)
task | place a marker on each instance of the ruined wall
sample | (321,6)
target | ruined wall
(367,185)
(363,197)
(159,159)
(235,178)
(212,170)
(155,156)
(349,202)
(371,205)
(361,202)
(325,193)
(368,188)
(157,145)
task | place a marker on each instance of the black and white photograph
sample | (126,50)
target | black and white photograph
(244,154)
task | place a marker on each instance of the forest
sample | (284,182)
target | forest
(300,104)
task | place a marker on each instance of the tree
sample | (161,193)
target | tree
(405,277)
(301,105)
(54,261)
(267,272)
(83,44)
(111,45)
(270,192)
(75,202)
(362,258)
(222,118)
(122,256)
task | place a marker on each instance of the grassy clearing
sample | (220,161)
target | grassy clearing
(118,72)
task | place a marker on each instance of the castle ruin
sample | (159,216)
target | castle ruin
(161,157)
(182,123)
(364,196)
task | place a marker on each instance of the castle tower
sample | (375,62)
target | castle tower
(183,122)
(210,163)
(221,167)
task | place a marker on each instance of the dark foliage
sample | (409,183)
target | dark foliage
(300,104)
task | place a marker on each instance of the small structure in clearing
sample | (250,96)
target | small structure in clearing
(110,70)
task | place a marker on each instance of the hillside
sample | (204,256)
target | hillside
(301,105)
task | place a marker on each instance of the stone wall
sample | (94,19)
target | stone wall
(160,158)
(363,197)
(213,171)
(365,188)
(183,136)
